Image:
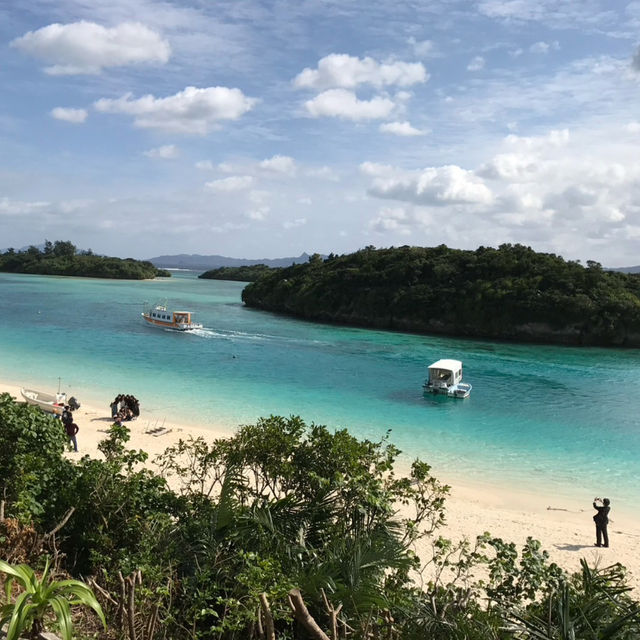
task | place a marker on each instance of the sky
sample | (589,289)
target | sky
(257,129)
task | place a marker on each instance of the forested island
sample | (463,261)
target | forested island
(285,531)
(62,258)
(509,293)
(249,273)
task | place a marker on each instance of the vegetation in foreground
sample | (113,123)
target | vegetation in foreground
(61,258)
(284,531)
(507,293)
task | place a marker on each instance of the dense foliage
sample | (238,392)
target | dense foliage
(508,293)
(61,258)
(239,274)
(282,527)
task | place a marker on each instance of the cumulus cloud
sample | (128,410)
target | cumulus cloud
(476,64)
(435,186)
(514,167)
(192,111)
(279,164)
(76,116)
(87,47)
(393,219)
(348,72)
(340,103)
(204,165)
(232,183)
(166,152)
(400,129)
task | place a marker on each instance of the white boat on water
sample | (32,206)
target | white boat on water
(445,376)
(49,402)
(160,316)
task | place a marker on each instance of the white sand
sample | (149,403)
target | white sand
(565,529)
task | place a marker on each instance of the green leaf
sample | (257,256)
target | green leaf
(62,610)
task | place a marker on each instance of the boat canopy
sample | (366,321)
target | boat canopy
(449,371)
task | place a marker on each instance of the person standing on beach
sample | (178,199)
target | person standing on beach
(602,520)
(72,429)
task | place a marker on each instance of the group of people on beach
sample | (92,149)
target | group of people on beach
(124,408)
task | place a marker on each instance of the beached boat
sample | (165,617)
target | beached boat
(49,402)
(445,376)
(159,316)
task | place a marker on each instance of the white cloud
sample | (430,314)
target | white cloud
(476,64)
(19,208)
(292,224)
(392,219)
(259,213)
(279,164)
(192,111)
(422,48)
(204,165)
(166,152)
(400,129)
(87,47)
(76,116)
(433,186)
(510,167)
(633,127)
(340,103)
(233,183)
(347,72)
(544,47)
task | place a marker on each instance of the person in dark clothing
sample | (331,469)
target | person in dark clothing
(72,429)
(67,416)
(602,520)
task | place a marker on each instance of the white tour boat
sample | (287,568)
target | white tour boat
(445,376)
(49,402)
(159,316)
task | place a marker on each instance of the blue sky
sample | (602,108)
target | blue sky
(265,129)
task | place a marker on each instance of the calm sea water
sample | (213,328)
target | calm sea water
(563,419)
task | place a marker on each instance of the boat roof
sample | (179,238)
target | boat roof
(450,365)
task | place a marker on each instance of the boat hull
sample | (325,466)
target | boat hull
(174,326)
(461,390)
(49,402)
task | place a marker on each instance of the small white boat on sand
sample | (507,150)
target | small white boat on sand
(159,316)
(445,376)
(49,402)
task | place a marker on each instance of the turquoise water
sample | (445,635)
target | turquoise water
(563,419)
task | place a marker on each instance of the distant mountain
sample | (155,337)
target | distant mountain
(626,269)
(196,262)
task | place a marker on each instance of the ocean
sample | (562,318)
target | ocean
(545,418)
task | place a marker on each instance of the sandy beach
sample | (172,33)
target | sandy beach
(565,528)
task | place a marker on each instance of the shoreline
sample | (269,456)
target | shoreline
(562,524)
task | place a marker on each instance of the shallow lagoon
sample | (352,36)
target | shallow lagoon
(563,418)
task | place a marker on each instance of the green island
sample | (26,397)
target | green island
(509,293)
(284,531)
(239,274)
(62,258)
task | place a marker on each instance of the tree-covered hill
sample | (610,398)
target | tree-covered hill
(239,274)
(509,293)
(61,258)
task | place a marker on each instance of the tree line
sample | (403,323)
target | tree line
(248,273)
(285,531)
(62,258)
(511,292)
